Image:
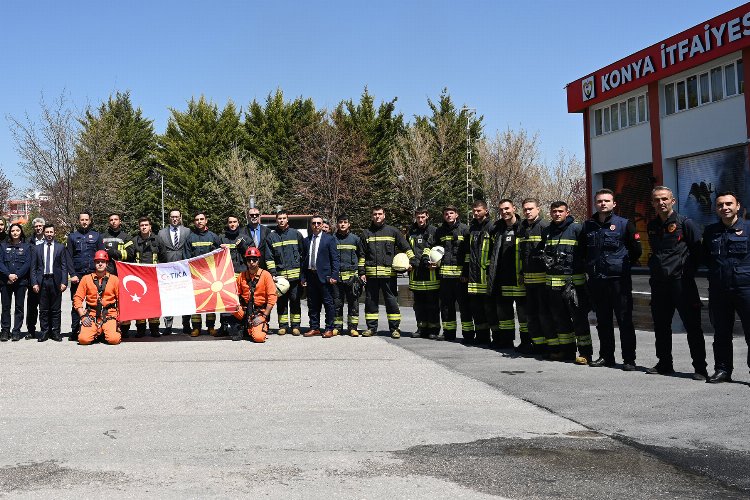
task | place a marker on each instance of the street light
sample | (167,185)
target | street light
(469,184)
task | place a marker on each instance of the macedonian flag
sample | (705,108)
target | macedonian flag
(202,284)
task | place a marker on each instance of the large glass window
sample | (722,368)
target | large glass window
(614,115)
(704,88)
(669,97)
(605,120)
(621,115)
(632,116)
(731,78)
(681,103)
(692,92)
(598,122)
(717,85)
(642,108)
(741,76)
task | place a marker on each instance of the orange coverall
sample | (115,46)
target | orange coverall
(87,291)
(265,294)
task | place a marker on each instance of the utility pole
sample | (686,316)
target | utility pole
(163,221)
(470,112)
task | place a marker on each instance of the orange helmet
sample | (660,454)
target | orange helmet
(101,255)
(252,252)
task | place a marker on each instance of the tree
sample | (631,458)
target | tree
(5,188)
(566,180)
(47,152)
(195,140)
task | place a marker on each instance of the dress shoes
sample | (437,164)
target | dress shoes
(628,367)
(602,362)
(700,376)
(661,370)
(4,336)
(311,333)
(42,338)
(327,334)
(720,376)
(15,336)
(58,338)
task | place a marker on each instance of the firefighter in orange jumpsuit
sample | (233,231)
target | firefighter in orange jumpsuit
(257,293)
(96,303)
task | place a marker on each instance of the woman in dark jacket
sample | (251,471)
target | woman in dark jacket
(15,267)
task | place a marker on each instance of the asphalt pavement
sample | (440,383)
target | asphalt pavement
(361,417)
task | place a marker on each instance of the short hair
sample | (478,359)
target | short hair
(479,203)
(605,191)
(232,215)
(175,210)
(144,219)
(118,214)
(535,201)
(420,210)
(85,212)
(558,204)
(450,207)
(728,193)
(376,208)
(38,220)
(49,224)
(199,212)
(662,188)
(19,227)
(505,200)
(317,216)
(342,217)
(281,212)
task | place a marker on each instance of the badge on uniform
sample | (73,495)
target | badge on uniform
(612,227)
(671,227)
(637,236)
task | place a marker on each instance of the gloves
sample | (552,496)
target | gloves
(86,320)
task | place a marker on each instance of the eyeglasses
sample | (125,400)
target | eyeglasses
(252,259)
(254,215)
(316,223)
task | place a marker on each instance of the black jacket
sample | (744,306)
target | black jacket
(675,247)
(504,272)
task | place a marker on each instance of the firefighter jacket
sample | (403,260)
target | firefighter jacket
(81,246)
(238,242)
(421,277)
(531,251)
(727,255)
(563,256)
(199,243)
(119,246)
(381,243)
(15,258)
(351,255)
(146,250)
(478,257)
(455,240)
(283,254)
(610,246)
(675,247)
(504,274)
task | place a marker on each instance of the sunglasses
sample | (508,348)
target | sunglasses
(252,259)
(317,223)
(254,215)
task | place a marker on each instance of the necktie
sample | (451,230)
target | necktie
(48,266)
(176,238)
(313,252)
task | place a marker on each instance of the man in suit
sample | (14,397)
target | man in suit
(50,279)
(171,241)
(321,272)
(256,232)
(32,299)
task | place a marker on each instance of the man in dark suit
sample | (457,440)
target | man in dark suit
(256,231)
(49,277)
(321,272)
(171,241)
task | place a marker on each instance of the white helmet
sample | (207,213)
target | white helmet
(436,254)
(400,263)
(282,285)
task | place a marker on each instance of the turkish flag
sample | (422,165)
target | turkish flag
(139,292)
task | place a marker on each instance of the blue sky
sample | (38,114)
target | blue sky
(509,60)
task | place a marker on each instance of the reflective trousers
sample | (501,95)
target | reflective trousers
(342,294)
(290,303)
(427,311)
(389,287)
(453,292)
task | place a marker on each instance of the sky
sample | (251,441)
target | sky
(508,60)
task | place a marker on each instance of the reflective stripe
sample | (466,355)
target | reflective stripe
(344,246)
(450,325)
(202,243)
(371,315)
(554,243)
(584,340)
(394,317)
(539,340)
(392,239)
(453,271)
(278,244)
(477,288)
(270,264)
(291,273)
(534,278)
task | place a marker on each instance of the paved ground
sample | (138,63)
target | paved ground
(356,417)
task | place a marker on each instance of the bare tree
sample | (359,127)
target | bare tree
(566,180)
(47,151)
(239,175)
(5,188)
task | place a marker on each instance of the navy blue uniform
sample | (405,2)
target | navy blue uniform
(727,254)
(81,246)
(14,259)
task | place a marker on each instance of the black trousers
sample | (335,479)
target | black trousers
(32,311)
(506,319)
(722,306)
(50,302)
(343,294)
(482,312)
(389,287)
(75,318)
(570,323)
(290,302)
(680,294)
(453,292)
(427,311)
(319,294)
(10,293)
(538,316)
(608,296)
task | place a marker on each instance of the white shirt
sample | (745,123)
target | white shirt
(314,247)
(51,255)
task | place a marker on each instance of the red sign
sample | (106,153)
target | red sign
(700,44)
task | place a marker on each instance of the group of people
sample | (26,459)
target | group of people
(543,275)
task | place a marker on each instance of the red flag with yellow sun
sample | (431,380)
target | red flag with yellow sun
(214,283)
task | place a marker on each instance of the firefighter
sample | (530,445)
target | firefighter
(453,236)
(566,287)
(504,284)
(257,293)
(237,241)
(146,250)
(381,243)
(352,269)
(118,245)
(81,246)
(96,303)
(475,273)
(423,281)
(284,252)
(611,245)
(201,241)
(675,244)
(726,247)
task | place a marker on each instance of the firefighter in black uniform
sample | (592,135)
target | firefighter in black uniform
(381,243)
(504,283)
(612,245)
(352,270)
(533,276)
(453,236)
(237,241)
(423,281)
(283,253)
(566,288)
(726,247)
(475,273)
(675,254)
(146,250)
(119,247)
(201,241)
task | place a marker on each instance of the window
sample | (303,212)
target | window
(704,88)
(622,114)
(615,119)
(598,122)
(643,108)
(632,111)
(606,120)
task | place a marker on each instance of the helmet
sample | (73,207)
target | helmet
(436,255)
(252,252)
(400,263)
(101,255)
(282,285)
